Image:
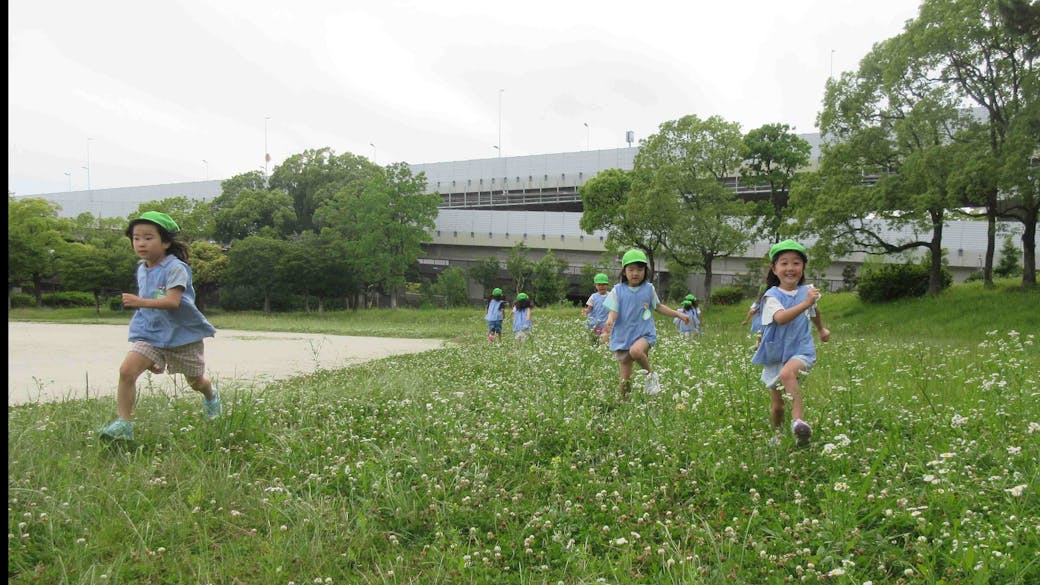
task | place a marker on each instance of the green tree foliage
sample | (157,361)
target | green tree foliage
(34,232)
(314,176)
(774,154)
(252,263)
(485,271)
(193,216)
(632,215)
(99,269)
(451,284)
(984,51)
(315,265)
(255,213)
(519,267)
(384,226)
(683,166)
(208,265)
(1009,256)
(885,120)
(550,284)
(888,282)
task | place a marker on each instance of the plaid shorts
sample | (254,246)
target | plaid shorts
(188,359)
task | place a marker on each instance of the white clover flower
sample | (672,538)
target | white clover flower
(957,420)
(620,541)
(1014,450)
(1017,490)
(836,572)
(840,486)
(1034,427)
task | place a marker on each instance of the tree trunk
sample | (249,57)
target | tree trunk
(97,303)
(991,244)
(1029,250)
(935,255)
(321,305)
(37,289)
(267,304)
(708,260)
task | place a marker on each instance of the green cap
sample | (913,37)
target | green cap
(633,255)
(521,297)
(601,279)
(787,246)
(496,292)
(687,303)
(160,219)
(690,297)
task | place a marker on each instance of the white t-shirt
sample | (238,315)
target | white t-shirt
(772,305)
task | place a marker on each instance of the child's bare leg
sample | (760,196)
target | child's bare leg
(640,352)
(134,364)
(201,384)
(776,411)
(789,378)
(624,360)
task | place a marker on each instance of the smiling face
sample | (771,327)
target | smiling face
(148,243)
(635,273)
(789,268)
(601,288)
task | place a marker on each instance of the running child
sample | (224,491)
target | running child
(496,313)
(630,325)
(167,329)
(594,311)
(522,317)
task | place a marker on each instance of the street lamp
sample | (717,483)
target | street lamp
(206,162)
(267,155)
(68,175)
(499,147)
(88,162)
(374,160)
(588,135)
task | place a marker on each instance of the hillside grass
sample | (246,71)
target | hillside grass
(519,463)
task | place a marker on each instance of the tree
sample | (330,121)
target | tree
(451,284)
(886,120)
(97,269)
(314,176)
(519,267)
(633,216)
(1008,265)
(485,272)
(550,285)
(34,232)
(965,46)
(1019,176)
(774,156)
(385,226)
(683,166)
(193,216)
(255,213)
(208,265)
(252,262)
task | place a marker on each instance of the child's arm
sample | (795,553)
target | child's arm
(586,310)
(825,334)
(666,310)
(784,316)
(608,326)
(169,302)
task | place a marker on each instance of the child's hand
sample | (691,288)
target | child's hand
(814,294)
(825,334)
(685,318)
(130,300)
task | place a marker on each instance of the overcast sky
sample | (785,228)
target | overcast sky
(151,90)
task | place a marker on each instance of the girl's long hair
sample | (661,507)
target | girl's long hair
(524,304)
(178,248)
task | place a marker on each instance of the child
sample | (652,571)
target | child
(687,329)
(594,310)
(167,329)
(630,325)
(754,315)
(522,317)
(787,347)
(696,317)
(495,315)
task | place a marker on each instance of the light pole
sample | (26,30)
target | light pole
(832,63)
(206,163)
(499,147)
(374,160)
(68,175)
(588,136)
(88,163)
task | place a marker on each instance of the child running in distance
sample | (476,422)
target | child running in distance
(787,347)
(167,329)
(687,329)
(630,324)
(594,311)
(754,315)
(496,313)
(522,317)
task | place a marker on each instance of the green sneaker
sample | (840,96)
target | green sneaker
(119,430)
(212,408)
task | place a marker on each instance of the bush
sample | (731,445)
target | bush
(896,281)
(728,295)
(68,299)
(115,303)
(22,300)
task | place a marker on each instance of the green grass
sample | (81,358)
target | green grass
(519,463)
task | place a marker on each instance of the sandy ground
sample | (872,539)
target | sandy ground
(49,361)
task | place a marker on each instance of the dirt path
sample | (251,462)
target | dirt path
(49,361)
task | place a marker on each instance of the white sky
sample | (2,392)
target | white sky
(153,89)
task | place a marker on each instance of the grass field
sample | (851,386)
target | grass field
(520,464)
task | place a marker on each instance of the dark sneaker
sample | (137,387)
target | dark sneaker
(119,430)
(802,431)
(212,408)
